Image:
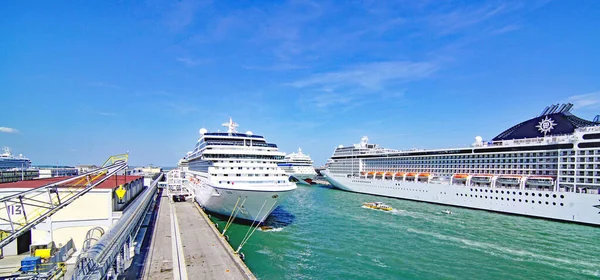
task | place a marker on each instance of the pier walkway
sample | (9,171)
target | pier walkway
(185,245)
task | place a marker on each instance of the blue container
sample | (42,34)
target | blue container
(29,264)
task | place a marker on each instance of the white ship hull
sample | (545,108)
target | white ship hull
(572,207)
(258,201)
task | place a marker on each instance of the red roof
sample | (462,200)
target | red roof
(110,183)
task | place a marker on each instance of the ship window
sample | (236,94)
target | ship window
(554,195)
(561,204)
(526,201)
(526,194)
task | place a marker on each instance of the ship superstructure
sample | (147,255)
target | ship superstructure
(299,167)
(548,166)
(231,169)
(9,161)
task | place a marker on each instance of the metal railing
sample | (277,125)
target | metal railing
(108,254)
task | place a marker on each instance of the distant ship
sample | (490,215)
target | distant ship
(547,167)
(237,170)
(8,161)
(300,167)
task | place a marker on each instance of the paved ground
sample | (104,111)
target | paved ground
(185,246)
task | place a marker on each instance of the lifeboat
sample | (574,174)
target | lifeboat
(424,175)
(509,179)
(460,176)
(371,173)
(399,174)
(379,173)
(363,173)
(542,181)
(482,178)
(389,174)
(411,175)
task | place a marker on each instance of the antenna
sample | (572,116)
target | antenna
(231,126)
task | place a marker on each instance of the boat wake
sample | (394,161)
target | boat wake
(270,229)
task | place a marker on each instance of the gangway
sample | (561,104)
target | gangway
(177,189)
(37,204)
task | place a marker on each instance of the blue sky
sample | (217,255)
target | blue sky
(80,81)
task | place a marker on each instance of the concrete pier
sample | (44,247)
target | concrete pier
(186,245)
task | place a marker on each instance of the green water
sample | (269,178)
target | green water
(324,233)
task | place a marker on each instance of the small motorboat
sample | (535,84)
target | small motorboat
(378,206)
(447,212)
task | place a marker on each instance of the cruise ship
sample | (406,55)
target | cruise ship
(231,170)
(299,167)
(8,161)
(546,167)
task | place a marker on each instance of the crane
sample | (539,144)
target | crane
(37,204)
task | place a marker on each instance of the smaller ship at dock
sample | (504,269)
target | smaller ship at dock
(299,167)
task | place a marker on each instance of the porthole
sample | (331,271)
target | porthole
(540,202)
(514,192)
(546,202)
(533,201)
(471,189)
(496,198)
(554,195)
(519,200)
(562,196)
(547,195)
(502,198)
(553,203)
(561,204)
(502,192)
(496,191)
(486,197)
(526,201)
(540,195)
(514,199)
(520,193)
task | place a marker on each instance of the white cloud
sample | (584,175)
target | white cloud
(505,29)
(105,85)
(190,62)
(370,76)
(588,100)
(8,130)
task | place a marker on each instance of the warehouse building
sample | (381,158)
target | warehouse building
(100,207)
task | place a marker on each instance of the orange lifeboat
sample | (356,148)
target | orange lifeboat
(363,173)
(411,174)
(371,173)
(461,176)
(424,175)
(400,174)
(389,173)
(380,173)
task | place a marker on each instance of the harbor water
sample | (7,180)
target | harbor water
(321,233)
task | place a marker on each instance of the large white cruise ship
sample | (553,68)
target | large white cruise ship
(237,170)
(299,167)
(546,167)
